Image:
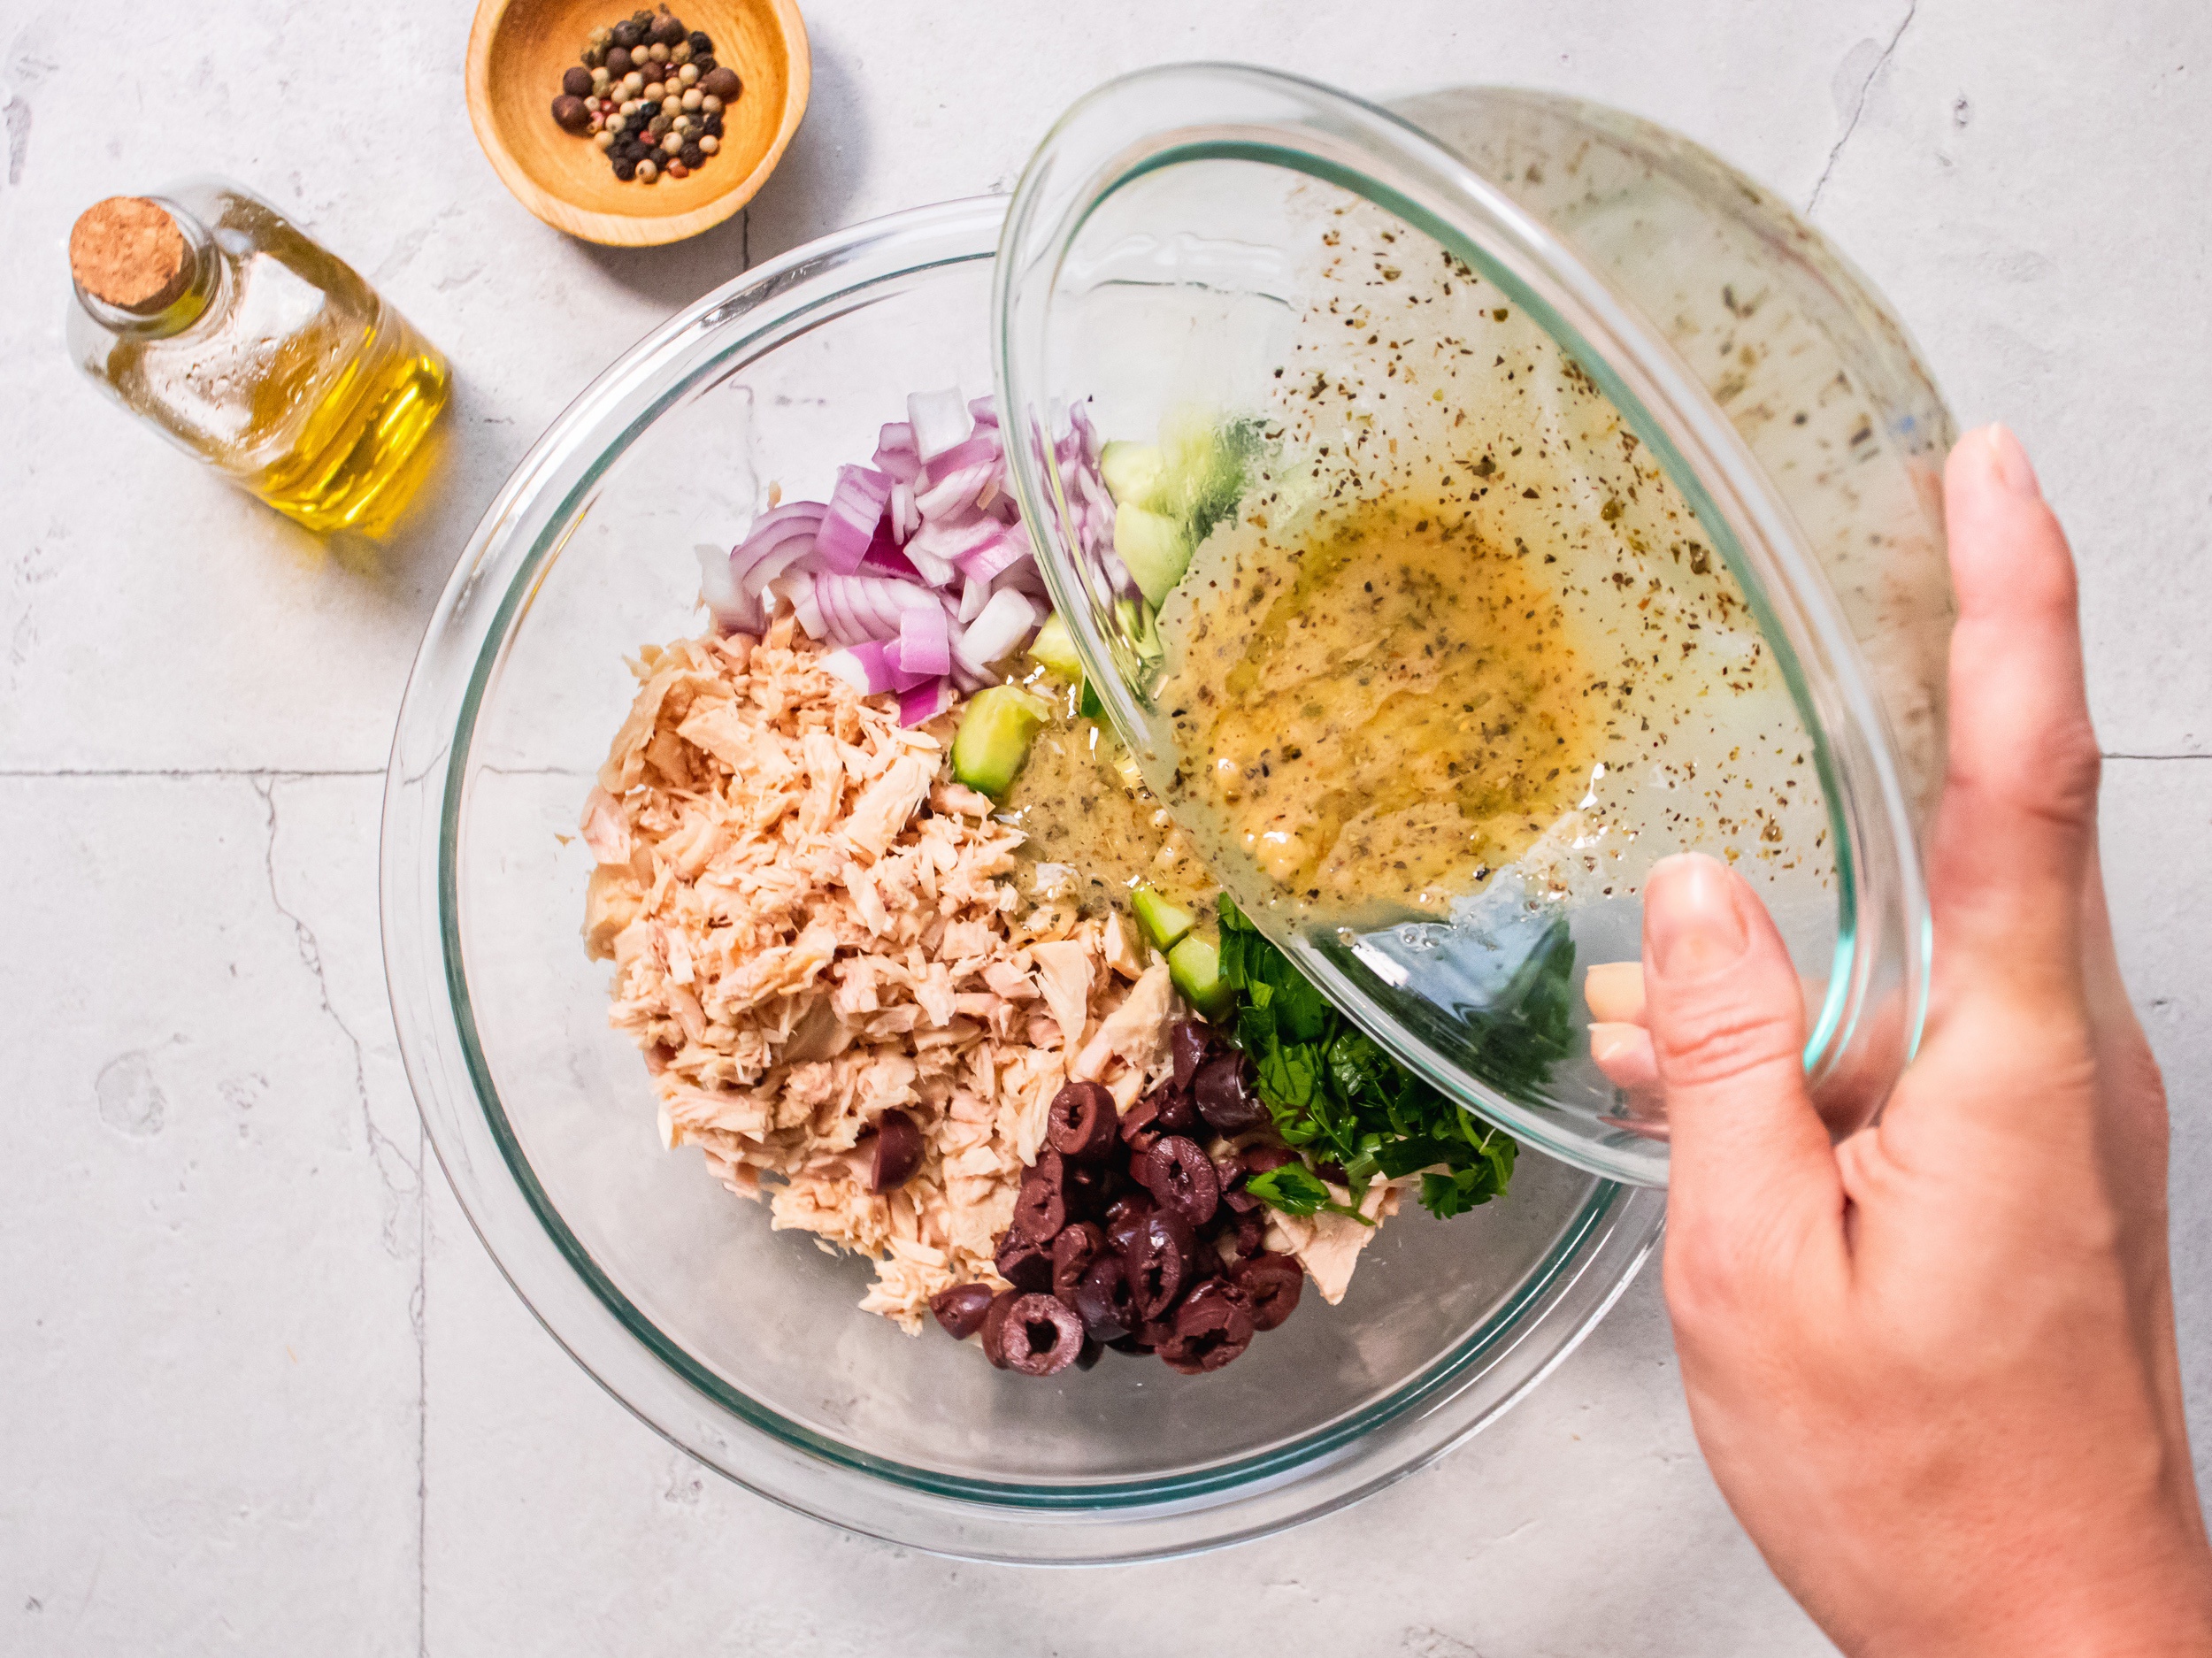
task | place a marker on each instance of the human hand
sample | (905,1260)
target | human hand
(1933,1367)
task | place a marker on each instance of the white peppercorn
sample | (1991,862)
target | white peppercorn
(711,144)
(647,171)
(712,104)
(633,83)
(688,73)
(603,139)
(629,106)
(655,92)
(657,52)
(673,142)
(680,52)
(694,98)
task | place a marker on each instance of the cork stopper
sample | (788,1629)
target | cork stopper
(128,252)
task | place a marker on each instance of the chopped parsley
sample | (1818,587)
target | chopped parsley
(1338,1098)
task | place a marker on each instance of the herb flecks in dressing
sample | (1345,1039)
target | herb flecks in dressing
(1388,709)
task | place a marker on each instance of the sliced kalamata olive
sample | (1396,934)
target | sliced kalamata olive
(1188,1042)
(1022,1262)
(1124,1217)
(1092,1351)
(1212,1326)
(1270,1284)
(1234,1198)
(1102,1301)
(1040,1337)
(1072,1252)
(995,1318)
(1084,1121)
(1041,1211)
(1180,1177)
(1175,1114)
(1251,1234)
(1224,1095)
(1130,1343)
(1158,1260)
(898,1151)
(1084,1187)
(960,1309)
(1141,1125)
(1043,1208)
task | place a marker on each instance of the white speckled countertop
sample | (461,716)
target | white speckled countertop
(261,1390)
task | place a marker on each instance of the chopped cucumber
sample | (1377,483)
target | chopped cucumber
(1204,469)
(1155,548)
(1130,470)
(1138,624)
(992,742)
(1164,923)
(1087,705)
(1194,965)
(1054,648)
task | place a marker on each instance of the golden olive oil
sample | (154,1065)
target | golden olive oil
(253,348)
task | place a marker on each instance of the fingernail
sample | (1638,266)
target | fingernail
(1609,1041)
(2009,461)
(1691,926)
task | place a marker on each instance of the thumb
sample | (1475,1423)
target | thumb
(1727,1021)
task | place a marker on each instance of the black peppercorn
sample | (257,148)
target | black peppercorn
(668,30)
(625,169)
(692,156)
(699,43)
(703,64)
(711,125)
(577,83)
(628,33)
(619,61)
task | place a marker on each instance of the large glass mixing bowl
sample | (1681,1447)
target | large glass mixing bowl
(1635,386)
(741,1345)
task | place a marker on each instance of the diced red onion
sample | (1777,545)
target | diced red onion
(853,608)
(973,596)
(731,606)
(903,517)
(796,589)
(940,420)
(1000,630)
(924,640)
(850,523)
(895,452)
(924,703)
(984,410)
(1006,548)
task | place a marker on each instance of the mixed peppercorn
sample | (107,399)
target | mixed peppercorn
(1129,1233)
(650,94)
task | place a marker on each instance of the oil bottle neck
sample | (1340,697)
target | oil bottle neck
(144,268)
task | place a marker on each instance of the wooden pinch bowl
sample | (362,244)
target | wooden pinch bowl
(519,49)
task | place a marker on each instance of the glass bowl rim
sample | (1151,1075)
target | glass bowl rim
(1587,1266)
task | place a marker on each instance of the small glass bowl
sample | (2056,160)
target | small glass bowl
(741,1345)
(1366,297)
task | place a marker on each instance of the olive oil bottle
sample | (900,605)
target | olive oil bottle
(206,311)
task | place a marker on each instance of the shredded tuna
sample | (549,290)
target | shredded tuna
(810,925)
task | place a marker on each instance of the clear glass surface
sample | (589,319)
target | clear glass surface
(1586,339)
(743,1346)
